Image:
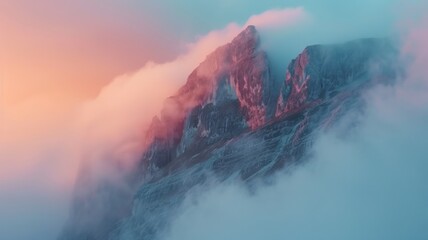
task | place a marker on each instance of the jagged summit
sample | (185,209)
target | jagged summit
(246,42)
(235,76)
(249,32)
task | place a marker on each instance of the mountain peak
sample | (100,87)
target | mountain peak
(250,29)
(249,33)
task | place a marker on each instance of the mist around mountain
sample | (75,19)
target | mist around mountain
(238,153)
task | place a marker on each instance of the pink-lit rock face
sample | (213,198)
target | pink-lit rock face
(235,75)
(250,77)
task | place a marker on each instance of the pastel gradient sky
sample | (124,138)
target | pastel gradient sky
(72,72)
(73,47)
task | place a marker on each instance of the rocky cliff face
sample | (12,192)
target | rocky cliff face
(226,94)
(218,127)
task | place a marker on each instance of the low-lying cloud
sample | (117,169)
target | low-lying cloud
(364,183)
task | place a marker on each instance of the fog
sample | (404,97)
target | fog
(367,182)
(42,149)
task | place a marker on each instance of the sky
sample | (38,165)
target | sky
(76,47)
(72,73)
(63,44)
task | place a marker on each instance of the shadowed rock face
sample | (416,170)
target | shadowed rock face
(217,127)
(323,71)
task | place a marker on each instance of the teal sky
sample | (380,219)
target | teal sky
(188,18)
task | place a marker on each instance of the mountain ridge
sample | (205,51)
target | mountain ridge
(218,124)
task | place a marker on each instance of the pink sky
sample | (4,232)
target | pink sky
(72,81)
(54,55)
(73,47)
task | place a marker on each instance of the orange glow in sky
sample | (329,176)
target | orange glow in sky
(54,56)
